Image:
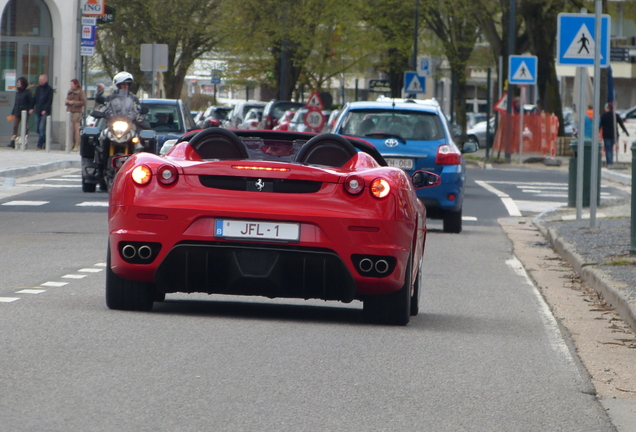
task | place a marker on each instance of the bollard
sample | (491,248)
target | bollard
(69,131)
(47,140)
(23,130)
(632,248)
(573,179)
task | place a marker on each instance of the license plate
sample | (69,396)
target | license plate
(400,163)
(257,230)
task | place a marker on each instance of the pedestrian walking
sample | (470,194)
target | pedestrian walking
(23,101)
(75,101)
(99,95)
(42,103)
(609,124)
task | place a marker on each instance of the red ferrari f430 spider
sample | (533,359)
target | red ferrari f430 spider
(267,213)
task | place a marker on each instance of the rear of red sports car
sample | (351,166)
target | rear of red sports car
(279,227)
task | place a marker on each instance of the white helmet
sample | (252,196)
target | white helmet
(122,77)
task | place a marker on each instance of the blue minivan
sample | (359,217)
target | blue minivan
(414,135)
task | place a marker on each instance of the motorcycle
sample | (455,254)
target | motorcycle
(105,149)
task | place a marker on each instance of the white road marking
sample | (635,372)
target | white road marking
(25,203)
(54,284)
(44,185)
(8,299)
(538,206)
(90,270)
(92,204)
(30,291)
(62,179)
(469,218)
(555,337)
(74,276)
(512,208)
(76,176)
(100,264)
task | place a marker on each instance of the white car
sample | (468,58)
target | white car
(252,119)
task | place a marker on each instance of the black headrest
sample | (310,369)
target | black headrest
(326,149)
(218,143)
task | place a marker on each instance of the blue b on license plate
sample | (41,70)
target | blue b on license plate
(257,230)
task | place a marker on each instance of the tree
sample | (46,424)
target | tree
(281,42)
(188,27)
(394,20)
(453,22)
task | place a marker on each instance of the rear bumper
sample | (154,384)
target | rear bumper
(258,271)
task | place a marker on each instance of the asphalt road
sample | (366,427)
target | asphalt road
(484,354)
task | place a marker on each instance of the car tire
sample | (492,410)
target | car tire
(124,294)
(453,222)
(88,187)
(415,298)
(102,186)
(392,309)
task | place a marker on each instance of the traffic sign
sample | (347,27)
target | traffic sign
(413,83)
(314,119)
(522,69)
(87,44)
(502,104)
(575,39)
(424,66)
(315,101)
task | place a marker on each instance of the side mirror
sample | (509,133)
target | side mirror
(118,161)
(97,114)
(143,109)
(422,179)
(100,99)
(469,147)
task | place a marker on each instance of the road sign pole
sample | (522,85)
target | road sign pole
(521,104)
(154,69)
(580,146)
(597,97)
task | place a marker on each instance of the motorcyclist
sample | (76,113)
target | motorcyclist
(122,102)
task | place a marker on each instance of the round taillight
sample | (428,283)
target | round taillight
(141,175)
(167,175)
(380,188)
(354,185)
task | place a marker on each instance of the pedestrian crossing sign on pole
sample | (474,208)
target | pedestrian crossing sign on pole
(575,39)
(522,70)
(413,83)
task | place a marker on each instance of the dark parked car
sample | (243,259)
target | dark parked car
(274,110)
(170,118)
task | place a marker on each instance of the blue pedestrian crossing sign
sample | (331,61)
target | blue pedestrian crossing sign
(522,70)
(576,43)
(413,83)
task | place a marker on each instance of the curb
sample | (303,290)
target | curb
(616,176)
(40,168)
(595,277)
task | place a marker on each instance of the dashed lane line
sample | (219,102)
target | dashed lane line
(25,203)
(8,299)
(54,284)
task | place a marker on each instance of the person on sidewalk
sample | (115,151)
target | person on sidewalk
(609,124)
(75,101)
(23,101)
(42,103)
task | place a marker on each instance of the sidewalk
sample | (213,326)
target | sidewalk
(17,163)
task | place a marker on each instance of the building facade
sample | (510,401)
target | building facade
(38,37)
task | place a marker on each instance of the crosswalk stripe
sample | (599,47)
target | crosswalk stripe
(30,291)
